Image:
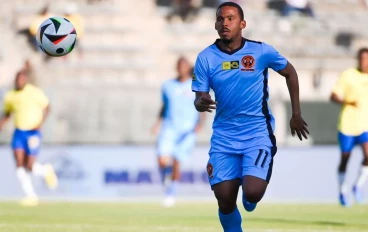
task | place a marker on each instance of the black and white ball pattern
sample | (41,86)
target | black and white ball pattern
(56,36)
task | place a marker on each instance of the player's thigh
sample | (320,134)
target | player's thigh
(257,171)
(224,167)
(184,147)
(226,193)
(19,140)
(346,142)
(165,145)
(19,147)
(258,163)
(30,160)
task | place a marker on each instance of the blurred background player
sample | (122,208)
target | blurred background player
(351,91)
(179,121)
(30,107)
(302,6)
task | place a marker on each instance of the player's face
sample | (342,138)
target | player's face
(364,62)
(20,81)
(184,68)
(228,23)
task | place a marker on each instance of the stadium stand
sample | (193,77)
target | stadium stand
(129,49)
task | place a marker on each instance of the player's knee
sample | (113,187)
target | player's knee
(345,156)
(163,161)
(344,161)
(226,206)
(253,195)
(226,202)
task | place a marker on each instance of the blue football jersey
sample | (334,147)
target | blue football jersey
(239,80)
(180,113)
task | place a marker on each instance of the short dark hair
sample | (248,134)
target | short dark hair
(232,4)
(361,51)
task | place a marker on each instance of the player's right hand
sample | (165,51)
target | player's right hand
(299,127)
(204,103)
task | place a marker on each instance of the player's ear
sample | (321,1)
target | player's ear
(243,24)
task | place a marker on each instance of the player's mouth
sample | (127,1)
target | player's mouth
(225,32)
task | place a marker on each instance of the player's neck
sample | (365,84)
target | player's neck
(19,88)
(183,78)
(231,45)
(362,71)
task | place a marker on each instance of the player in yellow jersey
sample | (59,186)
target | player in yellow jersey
(30,107)
(351,91)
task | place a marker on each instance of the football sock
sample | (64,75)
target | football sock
(165,172)
(342,185)
(231,222)
(39,170)
(362,177)
(25,182)
(171,188)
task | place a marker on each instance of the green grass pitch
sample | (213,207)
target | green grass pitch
(134,217)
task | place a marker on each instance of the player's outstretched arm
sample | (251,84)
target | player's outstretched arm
(5,117)
(204,103)
(335,98)
(297,124)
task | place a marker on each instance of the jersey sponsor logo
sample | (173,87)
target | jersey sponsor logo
(228,65)
(248,63)
(210,170)
(194,77)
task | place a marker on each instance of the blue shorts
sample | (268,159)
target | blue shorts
(27,140)
(347,142)
(223,167)
(175,144)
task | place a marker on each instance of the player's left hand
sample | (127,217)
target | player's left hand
(298,126)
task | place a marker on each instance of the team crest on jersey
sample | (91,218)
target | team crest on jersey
(228,65)
(248,63)
(194,77)
(210,170)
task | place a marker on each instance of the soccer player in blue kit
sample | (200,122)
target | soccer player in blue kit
(179,121)
(243,144)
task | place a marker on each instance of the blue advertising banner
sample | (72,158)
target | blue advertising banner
(304,174)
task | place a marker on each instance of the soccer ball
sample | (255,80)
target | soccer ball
(56,36)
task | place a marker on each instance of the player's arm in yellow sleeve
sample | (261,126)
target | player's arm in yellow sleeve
(338,92)
(45,105)
(7,111)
